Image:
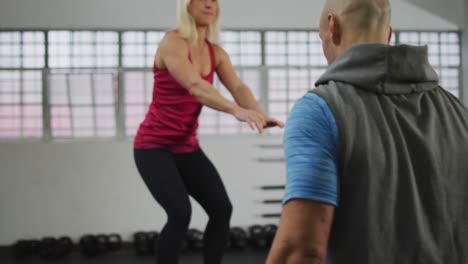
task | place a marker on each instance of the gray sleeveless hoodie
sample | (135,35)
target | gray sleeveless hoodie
(403,164)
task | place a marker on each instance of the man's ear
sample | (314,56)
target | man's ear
(390,35)
(335,29)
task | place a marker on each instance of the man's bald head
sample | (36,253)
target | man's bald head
(347,22)
(363,15)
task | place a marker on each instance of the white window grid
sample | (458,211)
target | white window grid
(82,104)
(21,104)
(139,48)
(22,49)
(244,47)
(83,49)
(104,78)
(138,88)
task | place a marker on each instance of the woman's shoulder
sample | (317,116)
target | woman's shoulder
(219,52)
(172,34)
(217,48)
(172,37)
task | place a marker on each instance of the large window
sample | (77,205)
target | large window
(98,84)
(81,83)
(22,56)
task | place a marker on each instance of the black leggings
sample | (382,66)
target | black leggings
(171,178)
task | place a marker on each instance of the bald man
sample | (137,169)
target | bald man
(376,155)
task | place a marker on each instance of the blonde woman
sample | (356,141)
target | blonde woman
(166,149)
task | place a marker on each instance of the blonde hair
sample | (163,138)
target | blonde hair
(188,29)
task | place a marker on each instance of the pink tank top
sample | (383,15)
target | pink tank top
(172,118)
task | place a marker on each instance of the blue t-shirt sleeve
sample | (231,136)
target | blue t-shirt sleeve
(311,152)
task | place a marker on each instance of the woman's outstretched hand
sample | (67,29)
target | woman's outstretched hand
(255,119)
(272,122)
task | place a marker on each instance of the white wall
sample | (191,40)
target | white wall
(137,14)
(450,10)
(74,188)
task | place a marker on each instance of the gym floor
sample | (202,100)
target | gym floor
(247,256)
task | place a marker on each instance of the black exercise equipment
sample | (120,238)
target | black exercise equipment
(195,239)
(103,243)
(270,232)
(90,246)
(142,244)
(258,237)
(153,240)
(96,245)
(51,248)
(66,246)
(238,238)
(48,248)
(114,242)
(26,248)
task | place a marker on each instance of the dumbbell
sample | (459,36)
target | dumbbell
(26,248)
(66,246)
(93,246)
(153,240)
(145,243)
(103,243)
(238,238)
(195,239)
(142,244)
(114,242)
(258,237)
(270,232)
(51,248)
